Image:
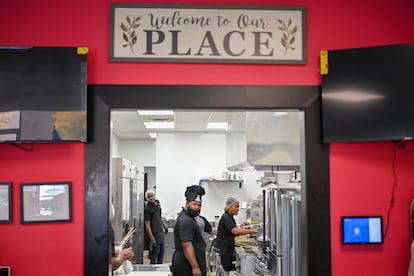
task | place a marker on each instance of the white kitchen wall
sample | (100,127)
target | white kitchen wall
(141,152)
(182,159)
(114,148)
(217,193)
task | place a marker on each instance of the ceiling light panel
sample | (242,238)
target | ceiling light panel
(155,112)
(159,125)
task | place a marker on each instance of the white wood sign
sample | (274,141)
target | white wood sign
(207,34)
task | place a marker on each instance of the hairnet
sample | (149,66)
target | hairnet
(230,202)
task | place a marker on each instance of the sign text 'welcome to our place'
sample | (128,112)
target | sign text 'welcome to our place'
(208,34)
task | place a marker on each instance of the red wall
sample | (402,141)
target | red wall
(362,180)
(361,173)
(43,249)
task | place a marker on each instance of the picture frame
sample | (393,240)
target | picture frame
(5,270)
(46,202)
(5,202)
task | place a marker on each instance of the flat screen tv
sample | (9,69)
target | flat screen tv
(43,94)
(362,230)
(368,94)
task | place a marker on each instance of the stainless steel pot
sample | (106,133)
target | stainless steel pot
(262,244)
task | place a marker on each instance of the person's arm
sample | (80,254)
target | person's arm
(242,231)
(149,231)
(189,254)
(152,241)
(124,254)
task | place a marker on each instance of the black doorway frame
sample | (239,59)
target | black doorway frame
(316,244)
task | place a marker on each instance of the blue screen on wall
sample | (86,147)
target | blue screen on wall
(362,230)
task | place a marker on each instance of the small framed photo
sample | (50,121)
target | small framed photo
(5,202)
(46,202)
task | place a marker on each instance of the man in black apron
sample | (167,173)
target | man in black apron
(189,257)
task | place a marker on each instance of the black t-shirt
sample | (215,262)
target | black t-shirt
(153,214)
(186,230)
(225,239)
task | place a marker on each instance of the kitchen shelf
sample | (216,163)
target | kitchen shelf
(205,181)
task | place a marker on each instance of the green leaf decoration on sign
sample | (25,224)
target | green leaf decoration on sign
(288,34)
(129,34)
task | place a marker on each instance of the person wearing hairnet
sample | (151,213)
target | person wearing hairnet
(189,258)
(227,230)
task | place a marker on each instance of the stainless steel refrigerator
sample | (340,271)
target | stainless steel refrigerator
(284,229)
(281,256)
(127,195)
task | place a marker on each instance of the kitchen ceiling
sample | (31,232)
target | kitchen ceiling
(127,124)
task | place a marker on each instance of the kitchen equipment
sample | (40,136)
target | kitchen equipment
(283,176)
(127,196)
(262,243)
(244,261)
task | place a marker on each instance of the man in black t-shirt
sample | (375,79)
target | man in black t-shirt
(189,257)
(154,228)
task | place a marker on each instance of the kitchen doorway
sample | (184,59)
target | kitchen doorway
(102,98)
(228,152)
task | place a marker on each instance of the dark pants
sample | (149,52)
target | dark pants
(157,254)
(181,267)
(226,258)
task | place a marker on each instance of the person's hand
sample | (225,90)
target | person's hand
(153,244)
(126,254)
(196,271)
(245,225)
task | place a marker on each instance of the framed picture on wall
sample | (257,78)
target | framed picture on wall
(46,202)
(5,202)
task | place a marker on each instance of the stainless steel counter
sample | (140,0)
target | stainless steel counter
(151,270)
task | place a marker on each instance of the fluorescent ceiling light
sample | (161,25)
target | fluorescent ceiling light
(217,125)
(153,135)
(159,125)
(280,113)
(155,112)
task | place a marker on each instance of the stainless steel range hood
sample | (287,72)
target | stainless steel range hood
(262,140)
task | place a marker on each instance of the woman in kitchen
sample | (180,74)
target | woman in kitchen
(227,230)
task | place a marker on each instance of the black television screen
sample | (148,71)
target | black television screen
(368,94)
(43,94)
(362,230)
